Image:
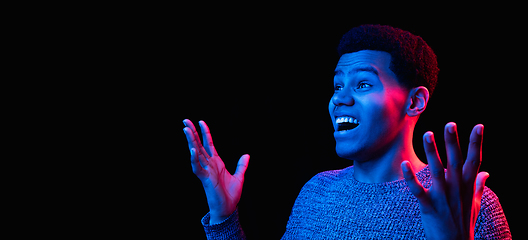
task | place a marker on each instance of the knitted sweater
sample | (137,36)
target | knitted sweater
(333,205)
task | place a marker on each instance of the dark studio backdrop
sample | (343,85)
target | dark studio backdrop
(113,83)
(263,87)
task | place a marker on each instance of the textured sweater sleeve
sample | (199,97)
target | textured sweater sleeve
(491,222)
(228,229)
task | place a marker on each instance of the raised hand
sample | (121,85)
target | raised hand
(450,207)
(222,189)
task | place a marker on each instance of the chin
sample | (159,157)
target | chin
(347,150)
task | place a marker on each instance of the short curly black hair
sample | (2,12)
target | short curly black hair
(412,60)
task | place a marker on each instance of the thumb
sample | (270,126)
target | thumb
(479,184)
(241,167)
(414,185)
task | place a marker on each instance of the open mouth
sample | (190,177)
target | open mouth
(346,123)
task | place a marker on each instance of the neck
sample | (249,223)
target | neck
(385,167)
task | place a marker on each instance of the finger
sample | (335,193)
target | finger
(199,147)
(474,199)
(207,139)
(433,159)
(474,157)
(480,184)
(242,167)
(188,123)
(454,156)
(197,166)
(414,185)
(191,140)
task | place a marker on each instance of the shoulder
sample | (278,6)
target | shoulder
(319,187)
(325,180)
(329,177)
(489,204)
(491,221)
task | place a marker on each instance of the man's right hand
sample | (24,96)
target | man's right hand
(222,189)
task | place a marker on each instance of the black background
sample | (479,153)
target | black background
(103,90)
(262,83)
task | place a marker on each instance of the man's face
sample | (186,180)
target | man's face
(368,107)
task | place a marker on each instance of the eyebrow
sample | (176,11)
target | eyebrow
(359,69)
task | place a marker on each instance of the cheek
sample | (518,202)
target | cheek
(331,107)
(376,108)
(382,113)
(386,113)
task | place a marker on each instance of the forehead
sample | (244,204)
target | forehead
(362,60)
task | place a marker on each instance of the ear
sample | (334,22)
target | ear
(418,96)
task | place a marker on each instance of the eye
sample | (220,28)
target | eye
(338,87)
(363,85)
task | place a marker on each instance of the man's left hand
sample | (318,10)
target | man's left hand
(450,207)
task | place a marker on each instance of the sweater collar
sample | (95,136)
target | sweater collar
(423,177)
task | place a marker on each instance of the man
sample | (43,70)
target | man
(382,83)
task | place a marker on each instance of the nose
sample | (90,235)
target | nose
(343,98)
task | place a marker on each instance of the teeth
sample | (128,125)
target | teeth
(347,120)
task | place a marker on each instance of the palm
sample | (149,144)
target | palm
(223,190)
(225,185)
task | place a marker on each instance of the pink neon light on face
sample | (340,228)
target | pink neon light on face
(367,96)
